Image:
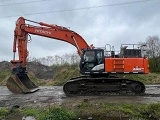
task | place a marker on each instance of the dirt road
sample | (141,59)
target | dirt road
(48,95)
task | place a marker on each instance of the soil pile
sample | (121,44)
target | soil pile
(5,65)
(37,69)
(40,71)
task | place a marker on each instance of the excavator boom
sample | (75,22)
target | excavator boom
(19,82)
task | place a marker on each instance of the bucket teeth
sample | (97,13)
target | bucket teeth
(21,84)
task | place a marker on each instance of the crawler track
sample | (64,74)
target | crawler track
(85,85)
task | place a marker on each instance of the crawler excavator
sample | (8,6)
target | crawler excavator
(98,66)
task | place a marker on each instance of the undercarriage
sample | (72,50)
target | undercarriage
(111,85)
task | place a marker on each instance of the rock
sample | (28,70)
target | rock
(90,118)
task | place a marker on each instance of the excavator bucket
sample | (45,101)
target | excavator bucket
(21,84)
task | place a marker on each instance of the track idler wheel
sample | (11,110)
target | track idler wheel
(21,84)
(138,88)
(71,89)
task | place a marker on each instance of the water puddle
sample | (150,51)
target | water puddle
(28,118)
(18,117)
(103,118)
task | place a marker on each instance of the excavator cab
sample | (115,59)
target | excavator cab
(19,82)
(90,59)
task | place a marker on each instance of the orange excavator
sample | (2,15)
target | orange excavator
(97,65)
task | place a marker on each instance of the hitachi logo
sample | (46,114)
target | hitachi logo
(43,31)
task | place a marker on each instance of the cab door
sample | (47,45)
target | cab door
(90,59)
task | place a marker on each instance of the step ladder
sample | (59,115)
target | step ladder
(119,65)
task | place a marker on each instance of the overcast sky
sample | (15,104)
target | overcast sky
(109,24)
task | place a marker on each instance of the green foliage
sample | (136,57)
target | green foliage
(33,79)
(4,74)
(132,109)
(29,112)
(143,78)
(136,111)
(152,111)
(56,113)
(64,73)
(152,52)
(152,78)
(154,64)
(3,112)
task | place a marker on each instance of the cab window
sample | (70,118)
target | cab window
(89,56)
(100,57)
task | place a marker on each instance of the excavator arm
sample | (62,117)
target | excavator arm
(19,81)
(23,30)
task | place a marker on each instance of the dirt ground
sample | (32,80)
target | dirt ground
(48,95)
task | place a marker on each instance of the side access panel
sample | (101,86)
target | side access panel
(126,65)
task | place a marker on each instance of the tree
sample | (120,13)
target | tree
(153,52)
(153,44)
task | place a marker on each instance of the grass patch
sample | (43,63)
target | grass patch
(152,111)
(83,109)
(56,113)
(29,111)
(34,79)
(3,113)
(64,73)
(152,78)
(135,111)
(4,74)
